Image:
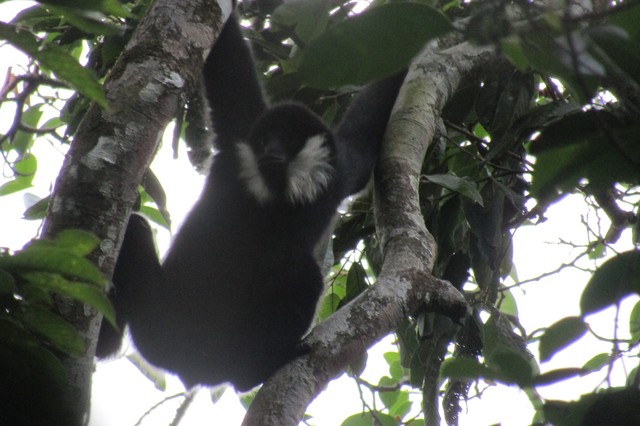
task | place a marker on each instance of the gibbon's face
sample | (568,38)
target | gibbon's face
(289,156)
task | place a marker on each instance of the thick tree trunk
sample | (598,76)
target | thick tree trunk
(98,183)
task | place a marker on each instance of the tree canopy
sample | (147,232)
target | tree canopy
(508,110)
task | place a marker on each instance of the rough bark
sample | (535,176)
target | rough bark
(405,281)
(98,182)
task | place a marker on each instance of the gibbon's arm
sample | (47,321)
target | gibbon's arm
(136,276)
(361,129)
(137,272)
(232,87)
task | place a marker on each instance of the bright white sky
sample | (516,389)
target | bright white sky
(121,394)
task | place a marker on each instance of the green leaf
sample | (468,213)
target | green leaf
(370,418)
(356,281)
(632,377)
(418,369)
(86,293)
(23,141)
(556,55)
(598,251)
(615,45)
(56,330)
(467,369)
(48,259)
(26,166)
(247,398)
(110,7)
(506,352)
(596,363)
(38,19)
(33,293)
(634,323)
(396,371)
(156,375)
(391,357)
(512,48)
(378,42)
(26,362)
(627,18)
(560,335)
(555,376)
(402,407)
(76,241)
(38,210)
(508,304)
(395,368)
(51,124)
(514,368)
(57,60)
(462,162)
(499,337)
(614,280)
(615,406)
(7,284)
(87,21)
(53,18)
(571,129)
(339,283)
(309,17)
(155,216)
(388,398)
(216,393)
(408,344)
(14,186)
(328,305)
(463,186)
(575,147)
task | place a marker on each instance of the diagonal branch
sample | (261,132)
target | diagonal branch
(409,249)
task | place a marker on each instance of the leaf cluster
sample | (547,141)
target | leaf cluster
(71,45)
(32,333)
(478,181)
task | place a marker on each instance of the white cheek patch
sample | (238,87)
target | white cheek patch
(310,172)
(250,174)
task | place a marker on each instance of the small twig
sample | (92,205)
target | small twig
(378,388)
(182,409)
(620,219)
(151,409)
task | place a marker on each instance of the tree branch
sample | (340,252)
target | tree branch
(405,281)
(620,219)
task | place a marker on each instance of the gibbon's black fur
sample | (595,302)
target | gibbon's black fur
(240,283)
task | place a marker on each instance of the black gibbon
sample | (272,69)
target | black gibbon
(239,286)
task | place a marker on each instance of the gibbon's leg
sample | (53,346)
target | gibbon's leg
(136,276)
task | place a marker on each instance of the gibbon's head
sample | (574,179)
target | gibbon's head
(289,156)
